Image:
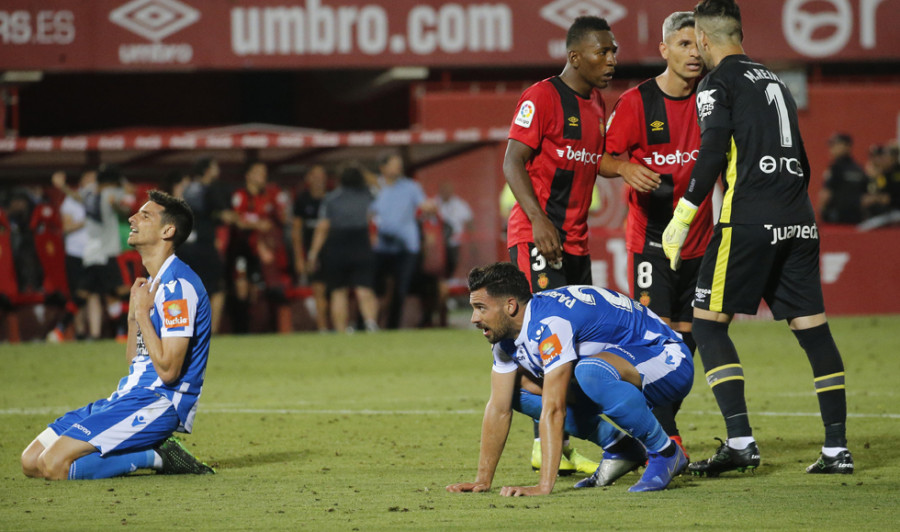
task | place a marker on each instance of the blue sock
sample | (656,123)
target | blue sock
(94,466)
(582,421)
(621,401)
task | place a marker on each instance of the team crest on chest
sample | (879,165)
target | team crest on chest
(645,298)
(543,281)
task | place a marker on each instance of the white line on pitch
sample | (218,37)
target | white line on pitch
(367,412)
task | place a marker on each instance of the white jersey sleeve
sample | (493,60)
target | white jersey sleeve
(503,362)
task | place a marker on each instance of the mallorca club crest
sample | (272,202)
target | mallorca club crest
(543,281)
(645,299)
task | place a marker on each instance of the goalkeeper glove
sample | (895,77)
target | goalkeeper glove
(677,230)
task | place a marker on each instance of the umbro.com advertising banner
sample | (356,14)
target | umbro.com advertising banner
(190,34)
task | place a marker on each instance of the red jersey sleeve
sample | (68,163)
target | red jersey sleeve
(622,128)
(533,115)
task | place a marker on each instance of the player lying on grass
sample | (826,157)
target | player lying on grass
(595,352)
(167,349)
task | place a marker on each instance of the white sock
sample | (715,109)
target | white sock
(741,443)
(157,461)
(831,452)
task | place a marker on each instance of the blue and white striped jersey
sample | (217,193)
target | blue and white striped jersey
(572,322)
(181,310)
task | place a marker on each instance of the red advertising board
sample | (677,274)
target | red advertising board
(88,35)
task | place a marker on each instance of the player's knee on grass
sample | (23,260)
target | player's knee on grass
(32,453)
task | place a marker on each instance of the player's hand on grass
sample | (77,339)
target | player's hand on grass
(469,487)
(546,239)
(524,491)
(677,230)
(639,177)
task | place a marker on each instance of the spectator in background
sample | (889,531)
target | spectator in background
(876,201)
(457,214)
(395,207)
(840,199)
(257,253)
(209,203)
(75,239)
(18,212)
(343,241)
(306,217)
(102,277)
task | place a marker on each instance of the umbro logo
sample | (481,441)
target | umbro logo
(154,19)
(564,12)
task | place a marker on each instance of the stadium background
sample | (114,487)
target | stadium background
(154,84)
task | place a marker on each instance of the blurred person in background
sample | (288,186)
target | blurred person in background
(341,250)
(257,255)
(103,204)
(74,220)
(209,203)
(306,217)
(19,210)
(841,197)
(456,213)
(395,208)
(876,201)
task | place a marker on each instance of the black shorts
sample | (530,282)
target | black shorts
(348,260)
(666,292)
(76,277)
(746,263)
(102,278)
(576,269)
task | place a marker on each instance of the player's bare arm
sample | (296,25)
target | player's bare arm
(637,176)
(167,354)
(494,430)
(553,416)
(546,235)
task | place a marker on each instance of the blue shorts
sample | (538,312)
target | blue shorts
(667,373)
(137,420)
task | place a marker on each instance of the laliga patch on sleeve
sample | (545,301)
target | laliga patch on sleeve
(525,114)
(550,349)
(175,314)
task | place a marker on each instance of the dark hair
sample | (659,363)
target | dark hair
(352,177)
(176,212)
(201,165)
(718,8)
(500,279)
(583,26)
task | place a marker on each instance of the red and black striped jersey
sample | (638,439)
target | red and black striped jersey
(660,132)
(566,132)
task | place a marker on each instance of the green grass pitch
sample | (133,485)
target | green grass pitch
(362,432)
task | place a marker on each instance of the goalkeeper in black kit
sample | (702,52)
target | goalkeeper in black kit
(765,244)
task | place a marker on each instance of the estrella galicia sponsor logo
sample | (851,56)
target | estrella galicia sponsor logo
(81,428)
(788,232)
(155,20)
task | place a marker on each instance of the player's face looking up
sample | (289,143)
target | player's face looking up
(146,225)
(594,58)
(681,54)
(493,315)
